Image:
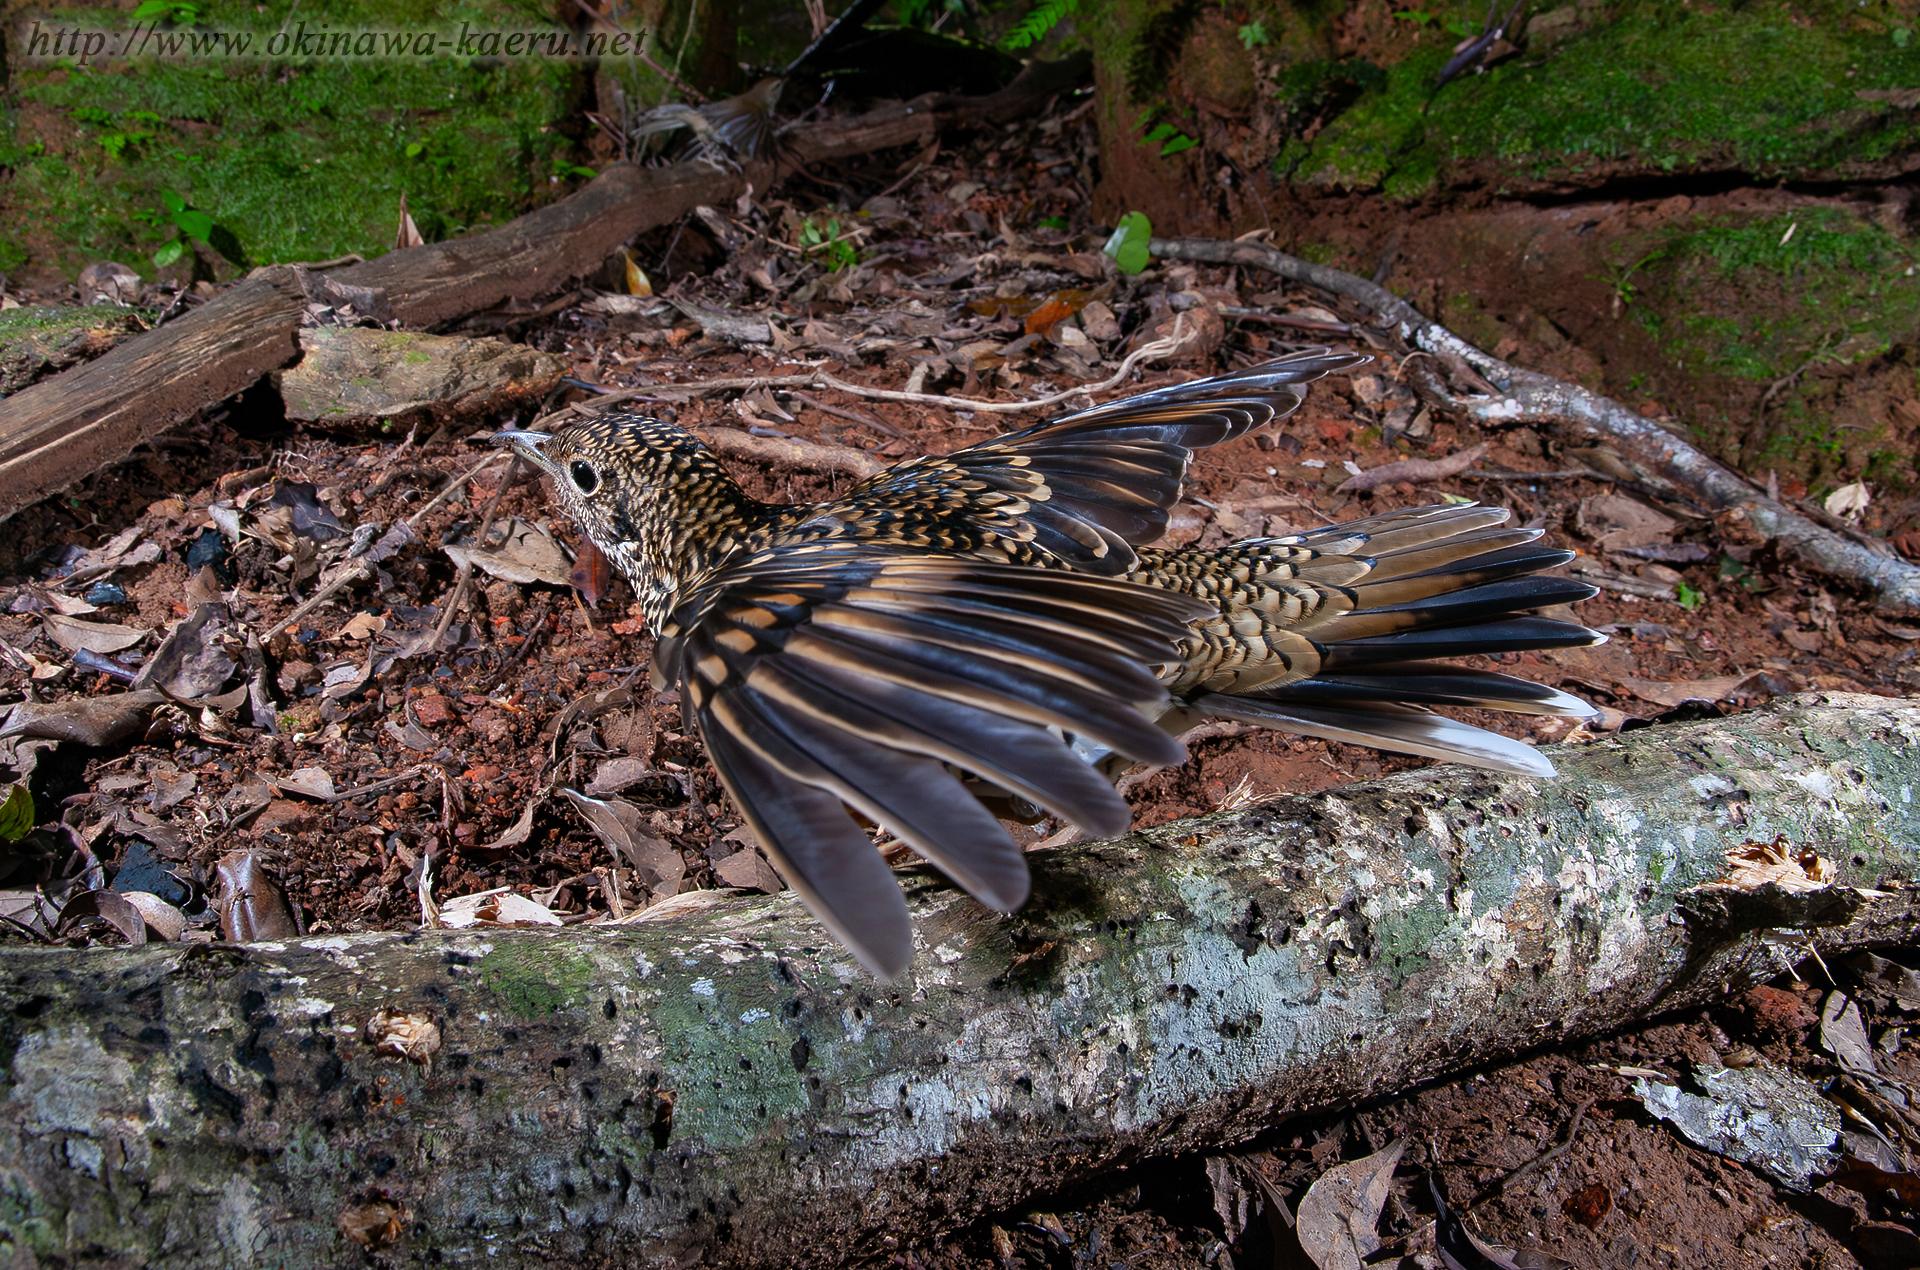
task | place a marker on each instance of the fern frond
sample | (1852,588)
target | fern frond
(1037,25)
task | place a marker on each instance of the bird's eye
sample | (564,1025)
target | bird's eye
(585,479)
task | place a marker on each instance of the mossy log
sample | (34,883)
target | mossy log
(727,1086)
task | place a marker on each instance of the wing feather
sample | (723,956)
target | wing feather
(850,675)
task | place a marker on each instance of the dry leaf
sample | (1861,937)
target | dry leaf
(1614,521)
(95,637)
(1339,1214)
(528,555)
(1849,501)
(251,904)
(372,1225)
(110,907)
(408,234)
(1755,864)
(679,906)
(656,864)
(314,782)
(170,786)
(1844,1036)
(93,721)
(163,920)
(1671,693)
(498,907)
(364,626)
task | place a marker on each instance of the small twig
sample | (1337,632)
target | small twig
(1545,1157)
(855,416)
(375,787)
(453,603)
(493,504)
(1415,471)
(1158,348)
(1285,319)
(790,452)
(1567,474)
(360,567)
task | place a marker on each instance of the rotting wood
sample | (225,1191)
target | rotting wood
(727,1087)
(1661,460)
(62,429)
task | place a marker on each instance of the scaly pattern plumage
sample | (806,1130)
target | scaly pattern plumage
(965,613)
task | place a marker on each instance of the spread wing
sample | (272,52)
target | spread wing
(849,676)
(1089,487)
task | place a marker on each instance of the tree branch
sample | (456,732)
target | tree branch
(1661,460)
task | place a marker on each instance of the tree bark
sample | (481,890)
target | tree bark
(64,428)
(727,1084)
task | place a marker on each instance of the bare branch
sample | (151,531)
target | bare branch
(1661,461)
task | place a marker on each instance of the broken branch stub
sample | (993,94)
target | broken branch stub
(724,1081)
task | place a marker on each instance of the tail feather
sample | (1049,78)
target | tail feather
(1384,725)
(1510,635)
(1392,532)
(1455,608)
(1432,684)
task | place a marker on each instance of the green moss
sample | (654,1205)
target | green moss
(1809,286)
(1657,87)
(534,982)
(302,158)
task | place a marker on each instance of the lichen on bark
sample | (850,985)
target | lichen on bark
(730,1081)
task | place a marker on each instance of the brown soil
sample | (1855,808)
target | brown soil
(482,710)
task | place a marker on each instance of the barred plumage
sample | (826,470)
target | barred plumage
(962,613)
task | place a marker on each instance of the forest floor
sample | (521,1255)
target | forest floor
(456,723)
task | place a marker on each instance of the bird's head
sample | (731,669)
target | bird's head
(650,496)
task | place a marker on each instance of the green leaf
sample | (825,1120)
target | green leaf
(174,202)
(1178,144)
(414,148)
(1162,131)
(1128,245)
(152,9)
(1690,599)
(194,223)
(170,253)
(16,814)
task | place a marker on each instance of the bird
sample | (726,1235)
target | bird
(999,613)
(723,131)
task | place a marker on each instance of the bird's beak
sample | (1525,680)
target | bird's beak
(528,446)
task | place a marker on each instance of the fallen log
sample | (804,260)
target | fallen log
(64,428)
(725,1084)
(1658,458)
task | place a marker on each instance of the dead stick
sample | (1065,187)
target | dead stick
(1661,460)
